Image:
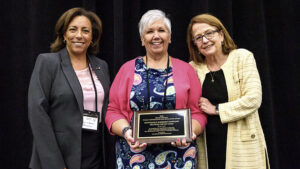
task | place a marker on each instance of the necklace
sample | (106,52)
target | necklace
(212,74)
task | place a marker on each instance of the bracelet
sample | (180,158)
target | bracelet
(125,129)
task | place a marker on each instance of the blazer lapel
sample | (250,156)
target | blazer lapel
(71,77)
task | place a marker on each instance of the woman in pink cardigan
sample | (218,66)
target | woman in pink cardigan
(155,81)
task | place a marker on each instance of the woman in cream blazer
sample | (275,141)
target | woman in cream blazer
(231,97)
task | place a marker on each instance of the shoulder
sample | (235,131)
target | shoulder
(46,65)
(197,66)
(50,57)
(177,63)
(47,60)
(193,64)
(183,69)
(129,64)
(239,57)
(241,53)
(99,61)
(126,70)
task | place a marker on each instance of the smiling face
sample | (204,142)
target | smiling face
(156,38)
(208,47)
(78,36)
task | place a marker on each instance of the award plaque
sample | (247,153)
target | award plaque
(162,126)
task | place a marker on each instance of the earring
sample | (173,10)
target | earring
(64,41)
(222,43)
(142,40)
(92,44)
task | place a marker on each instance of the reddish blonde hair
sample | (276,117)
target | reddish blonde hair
(209,19)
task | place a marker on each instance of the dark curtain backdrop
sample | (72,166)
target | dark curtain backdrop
(270,29)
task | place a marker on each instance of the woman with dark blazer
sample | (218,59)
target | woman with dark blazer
(68,97)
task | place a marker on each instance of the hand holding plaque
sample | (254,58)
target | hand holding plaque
(135,145)
(162,126)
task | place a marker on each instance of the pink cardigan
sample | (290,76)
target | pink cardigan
(186,83)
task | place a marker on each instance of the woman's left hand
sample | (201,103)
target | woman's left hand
(207,107)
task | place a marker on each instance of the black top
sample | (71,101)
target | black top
(215,90)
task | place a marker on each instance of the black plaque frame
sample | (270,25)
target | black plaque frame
(184,126)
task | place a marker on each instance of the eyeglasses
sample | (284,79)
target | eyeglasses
(208,35)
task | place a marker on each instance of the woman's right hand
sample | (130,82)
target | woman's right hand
(207,107)
(136,146)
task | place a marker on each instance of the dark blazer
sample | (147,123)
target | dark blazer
(55,107)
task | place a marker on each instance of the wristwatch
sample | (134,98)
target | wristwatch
(217,108)
(124,130)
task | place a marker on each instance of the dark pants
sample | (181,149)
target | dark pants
(91,150)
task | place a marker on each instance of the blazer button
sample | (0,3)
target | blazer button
(253,136)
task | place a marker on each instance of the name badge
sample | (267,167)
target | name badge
(90,120)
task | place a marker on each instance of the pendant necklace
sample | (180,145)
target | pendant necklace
(212,76)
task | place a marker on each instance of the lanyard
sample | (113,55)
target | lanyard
(148,88)
(95,89)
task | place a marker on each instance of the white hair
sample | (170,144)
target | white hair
(151,16)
